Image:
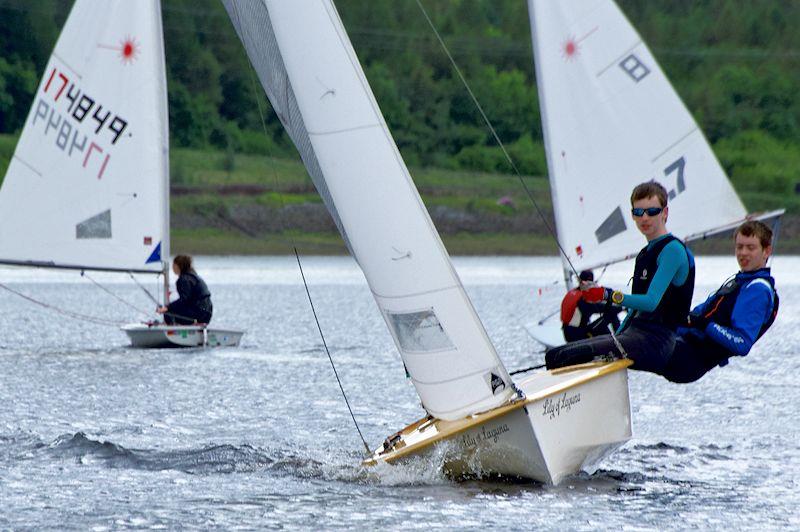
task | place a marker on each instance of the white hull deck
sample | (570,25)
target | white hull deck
(160,335)
(570,420)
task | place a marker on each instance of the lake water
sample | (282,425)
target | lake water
(97,435)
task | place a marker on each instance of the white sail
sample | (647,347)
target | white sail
(612,120)
(87,185)
(315,83)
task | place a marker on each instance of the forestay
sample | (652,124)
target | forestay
(315,83)
(612,120)
(87,186)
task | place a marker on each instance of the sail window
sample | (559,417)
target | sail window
(419,332)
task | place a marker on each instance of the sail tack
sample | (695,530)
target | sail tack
(87,185)
(612,120)
(315,83)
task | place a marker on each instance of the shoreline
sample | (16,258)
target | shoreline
(221,243)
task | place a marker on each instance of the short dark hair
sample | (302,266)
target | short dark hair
(757,229)
(586,275)
(648,190)
(184,263)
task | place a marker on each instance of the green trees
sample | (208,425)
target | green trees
(17,83)
(27,33)
(734,63)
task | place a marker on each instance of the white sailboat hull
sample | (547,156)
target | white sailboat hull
(570,421)
(547,334)
(156,336)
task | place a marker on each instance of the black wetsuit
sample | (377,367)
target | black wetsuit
(193,304)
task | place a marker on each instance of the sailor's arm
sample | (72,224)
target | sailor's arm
(672,261)
(751,311)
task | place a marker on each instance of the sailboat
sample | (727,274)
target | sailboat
(546,426)
(88,185)
(611,120)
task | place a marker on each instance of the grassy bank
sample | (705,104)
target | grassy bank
(226,203)
(220,242)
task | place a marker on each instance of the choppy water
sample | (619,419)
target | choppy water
(96,435)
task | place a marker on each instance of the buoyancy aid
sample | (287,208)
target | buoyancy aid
(720,308)
(570,315)
(676,301)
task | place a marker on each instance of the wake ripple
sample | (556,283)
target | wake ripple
(207,460)
(213,459)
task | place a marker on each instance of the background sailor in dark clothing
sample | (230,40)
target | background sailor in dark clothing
(576,312)
(194,300)
(730,321)
(663,283)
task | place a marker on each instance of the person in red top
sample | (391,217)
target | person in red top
(576,312)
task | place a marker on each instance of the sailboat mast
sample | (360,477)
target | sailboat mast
(164,114)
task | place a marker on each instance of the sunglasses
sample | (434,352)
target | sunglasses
(650,211)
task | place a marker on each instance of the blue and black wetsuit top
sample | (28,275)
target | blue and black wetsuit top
(740,312)
(663,283)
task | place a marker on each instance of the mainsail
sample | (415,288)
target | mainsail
(88,183)
(315,83)
(612,120)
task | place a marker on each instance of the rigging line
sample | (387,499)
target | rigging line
(329,353)
(69,313)
(556,311)
(524,370)
(497,138)
(112,294)
(603,272)
(296,254)
(154,300)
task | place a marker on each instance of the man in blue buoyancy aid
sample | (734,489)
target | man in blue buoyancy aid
(576,313)
(194,299)
(663,283)
(730,321)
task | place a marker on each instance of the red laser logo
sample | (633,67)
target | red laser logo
(129,50)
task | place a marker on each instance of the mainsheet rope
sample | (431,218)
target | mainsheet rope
(69,313)
(115,296)
(145,290)
(86,317)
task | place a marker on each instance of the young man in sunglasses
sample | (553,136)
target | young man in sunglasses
(663,283)
(730,321)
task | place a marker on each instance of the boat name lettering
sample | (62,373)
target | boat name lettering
(493,435)
(553,407)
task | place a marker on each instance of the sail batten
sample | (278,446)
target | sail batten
(87,185)
(417,294)
(306,64)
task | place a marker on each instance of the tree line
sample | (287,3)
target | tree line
(735,64)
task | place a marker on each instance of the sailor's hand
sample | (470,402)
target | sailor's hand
(161,310)
(596,294)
